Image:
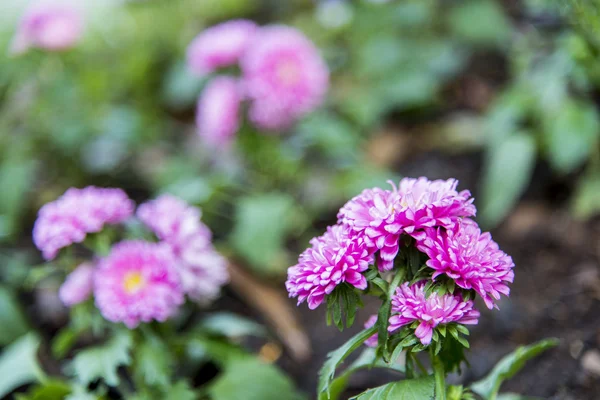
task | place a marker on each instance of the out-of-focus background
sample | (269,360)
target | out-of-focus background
(502,95)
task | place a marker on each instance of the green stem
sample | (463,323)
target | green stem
(420,364)
(440,376)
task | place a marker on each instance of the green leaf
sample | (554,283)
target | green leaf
(81,393)
(383,316)
(51,390)
(19,364)
(12,319)
(508,366)
(262,222)
(507,172)
(250,379)
(231,325)
(17,175)
(586,200)
(153,362)
(337,356)
(101,362)
(515,396)
(480,22)
(409,389)
(180,391)
(571,134)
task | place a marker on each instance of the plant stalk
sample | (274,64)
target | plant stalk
(440,377)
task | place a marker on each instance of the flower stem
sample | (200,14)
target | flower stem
(440,377)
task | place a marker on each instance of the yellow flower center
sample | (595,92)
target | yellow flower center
(288,72)
(133,282)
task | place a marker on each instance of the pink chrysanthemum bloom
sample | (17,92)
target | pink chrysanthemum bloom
(77,288)
(372,341)
(138,282)
(217,116)
(202,269)
(77,212)
(284,76)
(332,259)
(48,25)
(471,258)
(220,46)
(409,304)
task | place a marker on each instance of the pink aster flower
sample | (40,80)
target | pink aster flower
(471,258)
(409,304)
(138,282)
(77,212)
(372,341)
(220,46)
(332,259)
(203,271)
(77,288)
(48,25)
(217,114)
(284,76)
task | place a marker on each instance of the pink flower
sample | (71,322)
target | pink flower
(409,304)
(332,259)
(372,341)
(48,25)
(471,258)
(68,219)
(217,114)
(284,76)
(203,271)
(219,46)
(78,286)
(137,282)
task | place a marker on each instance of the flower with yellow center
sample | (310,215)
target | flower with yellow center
(133,282)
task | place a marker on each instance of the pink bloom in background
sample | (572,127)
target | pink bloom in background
(220,46)
(372,341)
(284,75)
(471,258)
(217,116)
(68,219)
(202,270)
(48,25)
(77,288)
(409,304)
(138,282)
(332,259)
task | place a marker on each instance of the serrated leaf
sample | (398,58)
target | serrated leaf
(12,319)
(101,362)
(508,366)
(383,316)
(19,364)
(231,325)
(251,379)
(410,389)
(153,362)
(336,357)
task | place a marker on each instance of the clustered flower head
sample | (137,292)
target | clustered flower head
(138,280)
(51,25)
(418,216)
(282,76)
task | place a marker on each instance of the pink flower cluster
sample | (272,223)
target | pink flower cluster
(52,25)
(283,77)
(138,281)
(76,213)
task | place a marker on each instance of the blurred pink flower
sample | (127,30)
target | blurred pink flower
(203,271)
(471,258)
(332,259)
(219,46)
(409,304)
(217,116)
(77,212)
(371,341)
(138,282)
(49,25)
(284,76)
(78,286)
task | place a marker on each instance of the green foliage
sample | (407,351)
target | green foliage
(50,390)
(508,366)
(342,304)
(19,364)
(383,316)
(231,325)
(586,200)
(12,319)
(180,391)
(101,362)
(153,362)
(409,389)
(481,22)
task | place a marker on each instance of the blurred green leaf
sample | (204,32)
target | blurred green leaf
(180,391)
(231,325)
(101,362)
(153,362)
(508,366)
(571,134)
(408,389)
(480,21)
(16,174)
(515,396)
(12,319)
(251,379)
(19,364)
(50,390)
(507,172)
(181,87)
(261,223)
